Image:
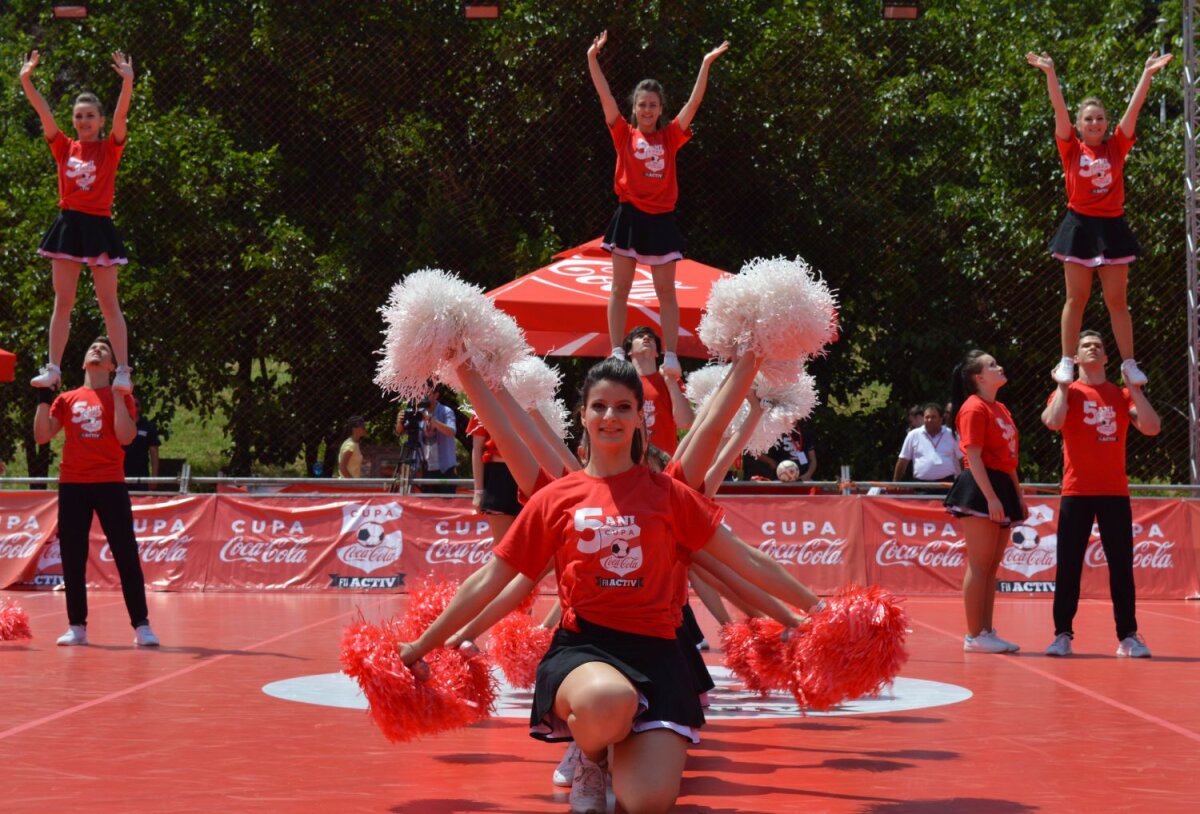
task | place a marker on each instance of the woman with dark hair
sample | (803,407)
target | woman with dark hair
(616,532)
(986,494)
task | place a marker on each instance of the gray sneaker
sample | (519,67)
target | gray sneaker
(589,788)
(143,636)
(75,635)
(1061,646)
(1009,647)
(983,643)
(564,772)
(1133,647)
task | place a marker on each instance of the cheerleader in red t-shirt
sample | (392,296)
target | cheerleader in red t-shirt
(644,228)
(613,676)
(986,494)
(83,232)
(1094,236)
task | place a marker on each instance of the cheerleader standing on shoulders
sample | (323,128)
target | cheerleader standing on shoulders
(1094,237)
(83,232)
(644,228)
(987,494)
(616,531)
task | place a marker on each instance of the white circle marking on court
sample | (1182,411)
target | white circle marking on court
(729,701)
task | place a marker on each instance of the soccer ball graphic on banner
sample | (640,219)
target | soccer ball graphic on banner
(1025,538)
(370,535)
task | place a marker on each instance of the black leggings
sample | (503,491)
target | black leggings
(110,502)
(1114,516)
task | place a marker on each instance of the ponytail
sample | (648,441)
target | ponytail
(963,384)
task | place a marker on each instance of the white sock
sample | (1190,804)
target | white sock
(618,353)
(670,359)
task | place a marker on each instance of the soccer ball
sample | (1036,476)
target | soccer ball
(370,535)
(620,548)
(788,471)
(1025,538)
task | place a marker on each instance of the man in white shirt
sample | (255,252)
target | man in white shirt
(932,449)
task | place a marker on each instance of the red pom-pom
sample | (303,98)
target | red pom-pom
(737,642)
(459,689)
(769,655)
(526,606)
(852,648)
(426,602)
(14,623)
(516,645)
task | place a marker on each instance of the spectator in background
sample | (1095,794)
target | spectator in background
(798,445)
(916,417)
(932,450)
(666,409)
(438,431)
(350,459)
(141,454)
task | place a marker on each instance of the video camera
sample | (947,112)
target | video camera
(414,413)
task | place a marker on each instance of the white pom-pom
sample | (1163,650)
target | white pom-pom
(557,416)
(785,403)
(427,315)
(703,383)
(779,308)
(495,343)
(531,381)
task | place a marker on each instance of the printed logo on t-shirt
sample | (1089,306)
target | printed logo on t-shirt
(88,417)
(1010,435)
(648,409)
(1103,418)
(652,155)
(614,537)
(82,172)
(1098,169)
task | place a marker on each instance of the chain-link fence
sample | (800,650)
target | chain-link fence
(288,162)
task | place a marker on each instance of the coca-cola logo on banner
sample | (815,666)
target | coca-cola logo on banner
(928,543)
(1154,551)
(371,535)
(460,542)
(51,555)
(804,542)
(20,536)
(160,540)
(596,272)
(266,541)
(1032,547)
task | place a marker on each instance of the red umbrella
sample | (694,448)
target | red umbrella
(563,307)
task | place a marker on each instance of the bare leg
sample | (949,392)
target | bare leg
(1079,288)
(104,278)
(980,534)
(989,598)
(618,300)
(598,703)
(646,770)
(668,304)
(1114,280)
(66,279)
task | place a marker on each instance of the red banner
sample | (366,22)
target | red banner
(815,538)
(27,521)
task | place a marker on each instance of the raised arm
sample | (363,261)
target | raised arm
(45,426)
(732,448)
(704,439)
(681,408)
(1055,414)
(611,111)
(1154,64)
(123,65)
(49,126)
(688,112)
(1143,416)
(1062,117)
(516,453)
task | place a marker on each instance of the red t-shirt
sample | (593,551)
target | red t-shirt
(615,542)
(660,413)
(87,173)
(990,426)
(645,175)
(1094,439)
(476,429)
(1095,175)
(91,452)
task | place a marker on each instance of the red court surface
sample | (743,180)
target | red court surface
(110,728)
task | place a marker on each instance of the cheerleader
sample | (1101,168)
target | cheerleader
(83,232)
(1094,237)
(987,494)
(644,228)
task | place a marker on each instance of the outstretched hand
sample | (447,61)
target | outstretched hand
(408,655)
(1155,62)
(1041,61)
(123,64)
(28,63)
(716,52)
(598,43)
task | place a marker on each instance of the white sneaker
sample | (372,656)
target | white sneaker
(983,644)
(1132,374)
(143,636)
(564,772)
(703,645)
(75,635)
(618,353)
(589,787)
(1010,647)
(1133,647)
(50,376)
(670,366)
(1061,646)
(1064,373)
(122,383)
